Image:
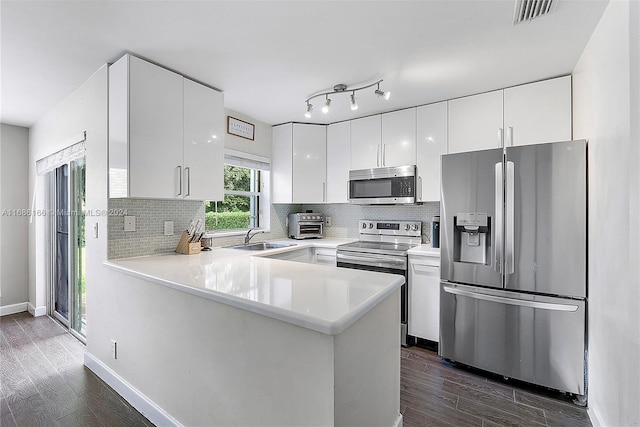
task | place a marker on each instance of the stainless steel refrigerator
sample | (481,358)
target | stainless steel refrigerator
(513,291)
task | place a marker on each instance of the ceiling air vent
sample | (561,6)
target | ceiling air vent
(526,10)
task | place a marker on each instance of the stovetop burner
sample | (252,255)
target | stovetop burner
(385,237)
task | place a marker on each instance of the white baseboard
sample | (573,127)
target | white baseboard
(398,421)
(142,403)
(37,311)
(13,308)
(593,416)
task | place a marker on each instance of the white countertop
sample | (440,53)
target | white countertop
(321,298)
(424,250)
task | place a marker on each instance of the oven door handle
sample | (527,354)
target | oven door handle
(372,258)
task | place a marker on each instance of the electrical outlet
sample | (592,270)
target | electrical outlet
(129,223)
(114,349)
(327,219)
(168,228)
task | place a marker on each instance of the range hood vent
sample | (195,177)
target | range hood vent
(526,10)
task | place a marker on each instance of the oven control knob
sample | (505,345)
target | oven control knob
(407,227)
(364,225)
(414,227)
(370,225)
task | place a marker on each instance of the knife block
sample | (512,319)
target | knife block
(186,247)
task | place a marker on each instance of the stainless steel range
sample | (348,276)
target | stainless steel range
(383,247)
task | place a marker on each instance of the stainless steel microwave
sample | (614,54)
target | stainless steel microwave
(383,186)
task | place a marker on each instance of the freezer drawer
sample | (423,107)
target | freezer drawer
(532,338)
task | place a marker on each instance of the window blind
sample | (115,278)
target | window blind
(74,149)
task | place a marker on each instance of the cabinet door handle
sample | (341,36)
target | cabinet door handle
(324,191)
(500,138)
(432,270)
(378,155)
(510,136)
(187,172)
(384,154)
(178,191)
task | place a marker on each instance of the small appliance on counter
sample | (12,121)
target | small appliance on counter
(206,242)
(309,225)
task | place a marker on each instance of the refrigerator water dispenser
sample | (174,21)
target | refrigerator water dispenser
(472,237)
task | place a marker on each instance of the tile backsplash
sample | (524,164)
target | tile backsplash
(345,217)
(149,239)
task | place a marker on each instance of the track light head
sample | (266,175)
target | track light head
(309,110)
(382,94)
(327,104)
(354,104)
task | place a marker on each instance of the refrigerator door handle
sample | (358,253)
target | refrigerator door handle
(510,301)
(509,220)
(499,194)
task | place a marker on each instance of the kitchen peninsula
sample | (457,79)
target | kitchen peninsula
(225,338)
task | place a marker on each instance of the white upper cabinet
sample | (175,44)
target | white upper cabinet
(538,112)
(338,161)
(399,138)
(155,129)
(474,122)
(298,163)
(309,163)
(528,114)
(282,164)
(366,142)
(153,112)
(204,130)
(431,144)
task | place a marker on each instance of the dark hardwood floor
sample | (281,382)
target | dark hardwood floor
(435,393)
(44,383)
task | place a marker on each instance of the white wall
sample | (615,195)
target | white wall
(83,110)
(261,145)
(14,195)
(605,109)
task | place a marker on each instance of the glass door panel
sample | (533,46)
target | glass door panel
(78,289)
(68,260)
(61,231)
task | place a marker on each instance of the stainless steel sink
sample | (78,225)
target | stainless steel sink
(261,246)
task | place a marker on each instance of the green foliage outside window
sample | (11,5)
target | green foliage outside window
(234,210)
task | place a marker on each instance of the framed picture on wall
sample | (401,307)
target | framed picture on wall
(240,128)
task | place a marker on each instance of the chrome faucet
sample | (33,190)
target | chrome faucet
(249,235)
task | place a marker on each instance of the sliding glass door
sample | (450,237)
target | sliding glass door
(68,278)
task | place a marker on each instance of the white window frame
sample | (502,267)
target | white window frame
(250,161)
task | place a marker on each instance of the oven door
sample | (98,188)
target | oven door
(381,264)
(309,229)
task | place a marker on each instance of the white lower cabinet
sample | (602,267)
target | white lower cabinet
(298,255)
(424,297)
(321,256)
(324,256)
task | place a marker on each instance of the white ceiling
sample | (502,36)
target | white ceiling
(269,56)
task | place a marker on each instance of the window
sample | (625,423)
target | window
(245,181)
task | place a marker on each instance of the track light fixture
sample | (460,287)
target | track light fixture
(343,88)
